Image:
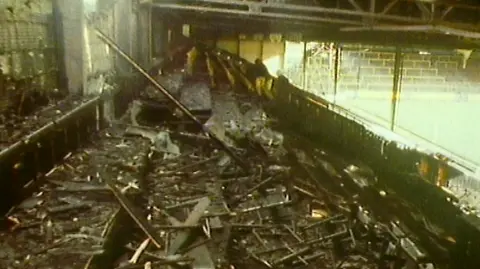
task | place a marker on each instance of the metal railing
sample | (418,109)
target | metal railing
(24,163)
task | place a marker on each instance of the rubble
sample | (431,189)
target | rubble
(196,97)
(172,82)
(237,193)
(180,201)
(160,140)
(62,225)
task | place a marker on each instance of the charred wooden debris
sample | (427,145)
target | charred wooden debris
(156,197)
(201,179)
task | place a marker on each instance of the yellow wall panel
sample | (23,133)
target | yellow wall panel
(250,50)
(228,45)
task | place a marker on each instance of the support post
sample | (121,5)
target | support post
(68,30)
(57,25)
(262,47)
(397,76)
(149,36)
(336,66)
(238,44)
(215,41)
(304,67)
(145,47)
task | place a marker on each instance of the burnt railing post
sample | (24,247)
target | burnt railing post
(397,77)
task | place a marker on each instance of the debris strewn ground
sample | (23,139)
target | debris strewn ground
(149,196)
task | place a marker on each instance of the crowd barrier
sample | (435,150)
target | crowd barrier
(27,161)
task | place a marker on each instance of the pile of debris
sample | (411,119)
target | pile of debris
(64,221)
(230,193)
(154,107)
(174,199)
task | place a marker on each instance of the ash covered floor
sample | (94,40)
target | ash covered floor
(152,197)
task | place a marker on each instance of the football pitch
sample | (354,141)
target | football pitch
(450,122)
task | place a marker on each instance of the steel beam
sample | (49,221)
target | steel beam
(321,33)
(255,13)
(451,3)
(235,21)
(445,12)
(285,10)
(426,13)
(355,5)
(389,6)
(417,28)
(257,8)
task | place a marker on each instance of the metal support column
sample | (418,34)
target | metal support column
(160,36)
(150,36)
(262,47)
(145,45)
(336,70)
(397,77)
(215,41)
(238,44)
(304,67)
(58,29)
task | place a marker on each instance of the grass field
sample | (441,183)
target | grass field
(446,120)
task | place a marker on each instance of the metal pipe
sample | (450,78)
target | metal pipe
(184,109)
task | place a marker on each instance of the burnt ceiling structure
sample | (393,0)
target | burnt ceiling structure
(432,22)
